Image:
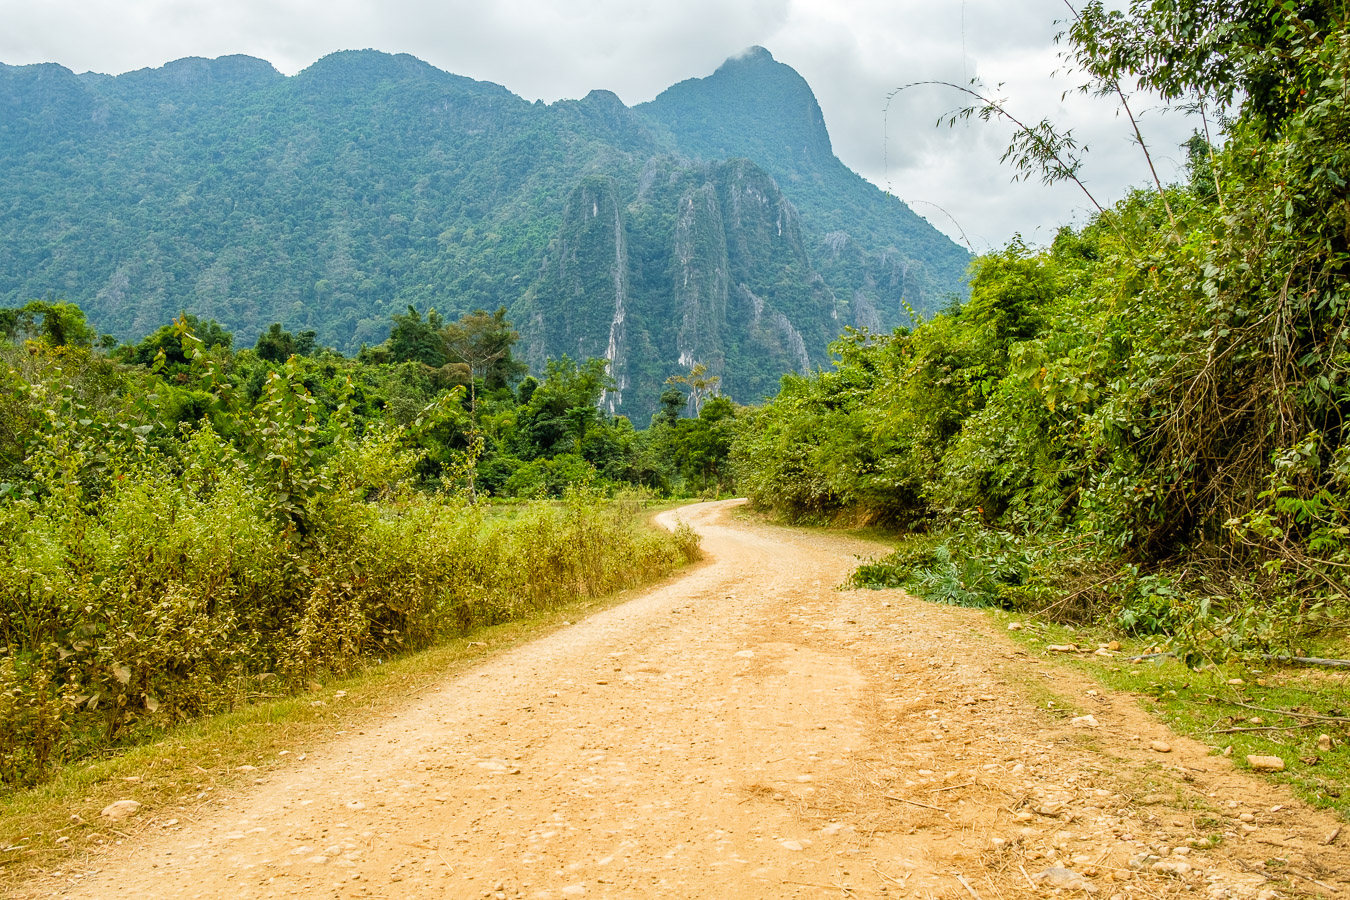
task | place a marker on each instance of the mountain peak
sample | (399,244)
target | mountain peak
(607,99)
(748,57)
(755,54)
(752,106)
(197,73)
(368,64)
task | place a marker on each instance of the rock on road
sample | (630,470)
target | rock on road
(745,730)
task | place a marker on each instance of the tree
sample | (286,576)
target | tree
(482,343)
(1252,52)
(1009,290)
(701,385)
(55,323)
(278,345)
(564,408)
(167,340)
(414,339)
(672,401)
(479,344)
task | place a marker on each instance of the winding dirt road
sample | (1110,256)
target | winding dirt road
(746,730)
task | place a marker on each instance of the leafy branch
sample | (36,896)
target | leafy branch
(1040,149)
(1105,83)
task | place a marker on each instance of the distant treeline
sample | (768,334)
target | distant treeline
(479,415)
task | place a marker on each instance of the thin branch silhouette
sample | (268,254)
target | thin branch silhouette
(1040,146)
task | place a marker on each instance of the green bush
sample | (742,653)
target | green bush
(964,567)
(1145,422)
(149,574)
(1151,605)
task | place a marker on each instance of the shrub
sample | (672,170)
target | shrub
(173,574)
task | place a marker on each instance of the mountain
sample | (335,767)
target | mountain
(713,224)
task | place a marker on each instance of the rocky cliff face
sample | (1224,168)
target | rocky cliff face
(713,225)
(580,306)
(703,263)
(874,253)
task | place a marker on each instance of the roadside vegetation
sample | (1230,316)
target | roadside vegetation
(183,768)
(1142,425)
(185,529)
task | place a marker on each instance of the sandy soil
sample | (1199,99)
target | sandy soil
(747,730)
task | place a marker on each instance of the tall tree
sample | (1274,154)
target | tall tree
(276,344)
(481,342)
(415,339)
(701,385)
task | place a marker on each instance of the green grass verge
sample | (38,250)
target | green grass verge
(1254,710)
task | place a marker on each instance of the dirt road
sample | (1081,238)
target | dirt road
(746,730)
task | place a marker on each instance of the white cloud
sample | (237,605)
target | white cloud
(852,52)
(856,52)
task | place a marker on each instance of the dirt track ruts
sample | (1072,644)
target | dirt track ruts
(746,730)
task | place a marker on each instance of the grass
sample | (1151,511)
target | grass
(1238,709)
(192,765)
(879,534)
(1235,708)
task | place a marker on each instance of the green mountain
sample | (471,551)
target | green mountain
(713,224)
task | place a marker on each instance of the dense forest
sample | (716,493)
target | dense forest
(1145,420)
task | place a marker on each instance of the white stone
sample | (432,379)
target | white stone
(122,809)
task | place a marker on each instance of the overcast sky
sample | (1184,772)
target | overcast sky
(852,52)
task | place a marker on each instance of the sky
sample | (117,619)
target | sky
(853,53)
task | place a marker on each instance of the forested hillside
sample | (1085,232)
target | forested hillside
(687,230)
(1144,422)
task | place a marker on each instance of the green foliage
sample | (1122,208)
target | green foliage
(166,342)
(482,342)
(278,345)
(1252,51)
(160,559)
(1151,605)
(414,339)
(56,324)
(549,476)
(869,437)
(970,567)
(1151,411)
(688,456)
